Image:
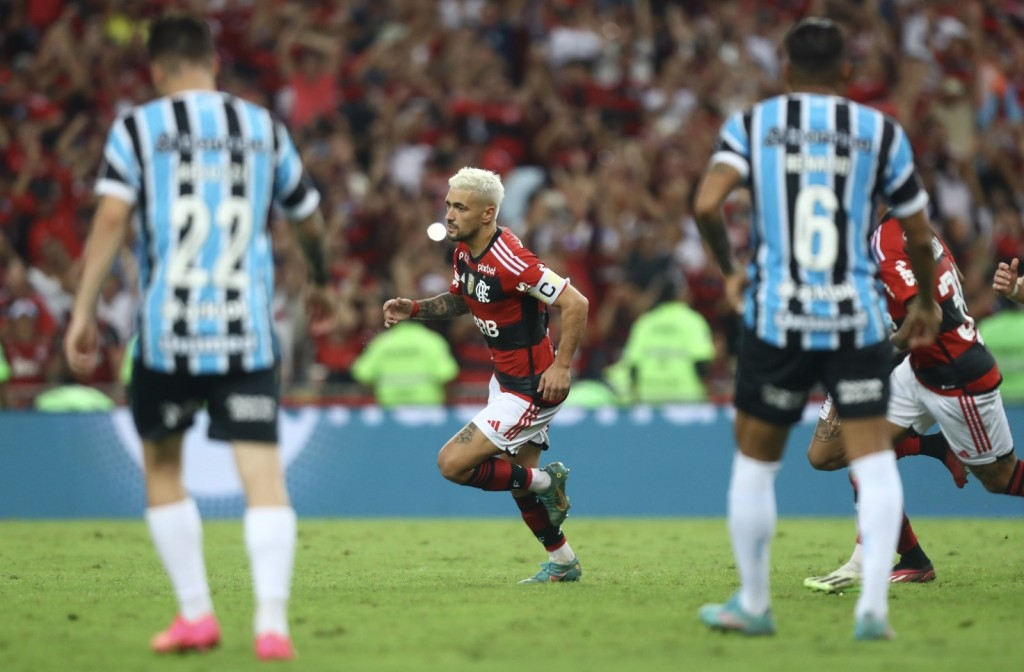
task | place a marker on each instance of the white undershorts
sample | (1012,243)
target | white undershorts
(510,421)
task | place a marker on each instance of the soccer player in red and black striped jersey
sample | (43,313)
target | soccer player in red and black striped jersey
(954,382)
(508,290)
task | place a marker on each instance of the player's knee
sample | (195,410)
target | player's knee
(993,482)
(995,477)
(450,467)
(823,460)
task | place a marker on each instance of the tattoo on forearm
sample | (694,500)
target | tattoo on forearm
(312,247)
(466,434)
(442,306)
(717,239)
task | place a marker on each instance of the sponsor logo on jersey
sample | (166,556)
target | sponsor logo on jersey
(187,143)
(211,344)
(524,287)
(487,270)
(797,136)
(844,291)
(176,309)
(907,273)
(469,282)
(786,321)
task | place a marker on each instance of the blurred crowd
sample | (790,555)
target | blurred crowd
(598,114)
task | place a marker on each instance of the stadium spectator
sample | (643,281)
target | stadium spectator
(407,366)
(30,353)
(17,287)
(116,305)
(390,104)
(667,354)
(53,276)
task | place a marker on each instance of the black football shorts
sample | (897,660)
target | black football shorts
(242,406)
(772,384)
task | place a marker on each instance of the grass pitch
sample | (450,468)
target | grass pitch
(422,595)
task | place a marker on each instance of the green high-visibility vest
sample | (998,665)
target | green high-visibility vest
(1003,334)
(407,365)
(662,350)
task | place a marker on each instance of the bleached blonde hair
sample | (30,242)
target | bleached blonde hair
(484,183)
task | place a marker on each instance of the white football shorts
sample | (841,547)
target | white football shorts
(975,425)
(510,421)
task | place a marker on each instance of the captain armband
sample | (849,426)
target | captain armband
(549,287)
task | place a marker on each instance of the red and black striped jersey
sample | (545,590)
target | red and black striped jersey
(507,290)
(958,361)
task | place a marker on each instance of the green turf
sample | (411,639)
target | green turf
(416,595)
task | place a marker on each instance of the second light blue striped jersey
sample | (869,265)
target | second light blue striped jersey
(818,166)
(204,170)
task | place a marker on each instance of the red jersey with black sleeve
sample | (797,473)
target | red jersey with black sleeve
(958,362)
(507,290)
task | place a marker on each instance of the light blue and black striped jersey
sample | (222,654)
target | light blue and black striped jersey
(204,170)
(818,166)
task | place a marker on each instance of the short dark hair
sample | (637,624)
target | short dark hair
(180,38)
(816,48)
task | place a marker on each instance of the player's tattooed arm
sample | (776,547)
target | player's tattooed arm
(311,240)
(466,434)
(442,307)
(718,181)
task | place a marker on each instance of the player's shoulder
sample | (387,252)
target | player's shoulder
(507,239)
(510,250)
(769,103)
(506,235)
(878,117)
(249,106)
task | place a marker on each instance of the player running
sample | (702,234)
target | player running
(508,290)
(954,382)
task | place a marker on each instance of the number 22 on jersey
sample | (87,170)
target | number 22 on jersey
(191,219)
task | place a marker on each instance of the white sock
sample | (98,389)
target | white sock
(856,561)
(879,516)
(541,481)
(752,517)
(270,534)
(177,532)
(563,555)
